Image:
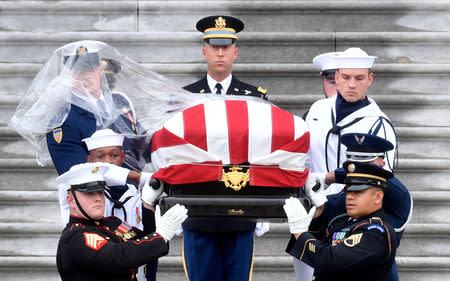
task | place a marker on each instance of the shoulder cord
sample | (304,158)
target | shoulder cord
(387,233)
(337,131)
(374,131)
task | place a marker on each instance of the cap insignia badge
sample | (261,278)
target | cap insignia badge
(220,22)
(81,50)
(95,170)
(235,178)
(351,168)
(360,140)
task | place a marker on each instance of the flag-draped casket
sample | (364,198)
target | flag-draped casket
(230,155)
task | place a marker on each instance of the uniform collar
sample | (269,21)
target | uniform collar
(379,213)
(225,83)
(73,220)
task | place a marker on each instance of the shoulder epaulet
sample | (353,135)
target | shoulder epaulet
(377,220)
(376,223)
(262,91)
(76,226)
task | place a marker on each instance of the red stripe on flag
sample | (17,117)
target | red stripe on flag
(300,145)
(237,117)
(190,173)
(282,128)
(195,126)
(265,176)
(165,138)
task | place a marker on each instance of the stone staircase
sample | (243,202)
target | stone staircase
(275,51)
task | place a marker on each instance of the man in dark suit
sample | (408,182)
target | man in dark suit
(214,248)
(220,51)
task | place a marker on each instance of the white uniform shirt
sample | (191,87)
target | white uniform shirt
(319,123)
(133,207)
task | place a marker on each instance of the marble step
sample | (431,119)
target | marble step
(430,207)
(416,174)
(43,268)
(410,139)
(289,16)
(278,46)
(288,79)
(41,239)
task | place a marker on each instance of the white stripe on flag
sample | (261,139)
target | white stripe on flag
(260,129)
(285,160)
(176,125)
(217,130)
(181,154)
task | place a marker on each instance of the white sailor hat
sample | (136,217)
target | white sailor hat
(326,63)
(72,49)
(354,58)
(104,138)
(86,177)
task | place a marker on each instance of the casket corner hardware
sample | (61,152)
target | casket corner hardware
(235,178)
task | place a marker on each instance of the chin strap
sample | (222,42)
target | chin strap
(79,206)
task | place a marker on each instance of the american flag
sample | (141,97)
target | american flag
(194,144)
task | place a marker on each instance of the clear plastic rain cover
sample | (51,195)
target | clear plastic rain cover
(120,93)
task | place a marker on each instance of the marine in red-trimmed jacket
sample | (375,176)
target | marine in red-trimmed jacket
(93,247)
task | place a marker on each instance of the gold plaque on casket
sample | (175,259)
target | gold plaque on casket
(235,178)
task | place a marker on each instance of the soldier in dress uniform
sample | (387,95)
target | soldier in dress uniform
(93,247)
(220,51)
(224,247)
(357,245)
(397,202)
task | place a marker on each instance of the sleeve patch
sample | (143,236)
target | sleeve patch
(376,226)
(57,135)
(94,241)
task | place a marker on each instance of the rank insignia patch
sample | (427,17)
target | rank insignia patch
(57,135)
(353,240)
(94,241)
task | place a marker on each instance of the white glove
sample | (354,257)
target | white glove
(149,194)
(179,231)
(297,217)
(261,228)
(318,197)
(115,175)
(144,177)
(168,224)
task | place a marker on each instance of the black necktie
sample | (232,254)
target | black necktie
(219,88)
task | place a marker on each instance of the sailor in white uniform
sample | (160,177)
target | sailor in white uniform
(350,111)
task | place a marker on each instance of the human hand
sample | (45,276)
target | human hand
(153,188)
(115,175)
(168,224)
(317,196)
(261,228)
(297,216)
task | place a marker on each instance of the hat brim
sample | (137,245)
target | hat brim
(358,187)
(89,187)
(329,73)
(220,41)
